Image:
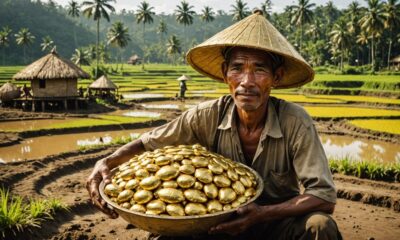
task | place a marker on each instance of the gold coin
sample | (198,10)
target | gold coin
(150,183)
(192,209)
(211,190)
(214,206)
(175,209)
(138,208)
(204,175)
(226,195)
(170,195)
(185,181)
(111,190)
(222,181)
(167,173)
(143,196)
(125,195)
(195,195)
(156,206)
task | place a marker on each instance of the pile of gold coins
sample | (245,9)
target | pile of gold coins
(185,180)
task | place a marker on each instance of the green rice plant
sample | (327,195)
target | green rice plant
(14,215)
(53,205)
(349,112)
(38,209)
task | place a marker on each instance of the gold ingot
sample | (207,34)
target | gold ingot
(195,195)
(143,196)
(170,195)
(240,170)
(187,169)
(235,204)
(246,181)
(241,199)
(222,181)
(232,174)
(227,207)
(187,162)
(199,162)
(175,209)
(156,206)
(204,175)
(152,167)
(250,192)
(125,195)
(127,174)
(131,184)
(214,206)
(215,168)
(121,185)
(198,185)
(221,163)
(170,184)
(167,173)
(238,187)
(211,190)
(177,157)
(226,195)
(142,173)
(150,183)
(162,160)
(126,205)
(111,190)
(192,209)
(185,181)
(138,208)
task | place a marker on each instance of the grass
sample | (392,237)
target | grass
(366,169)
(368,99)
(349,112)
(380,125)
(116,141)
(17,214)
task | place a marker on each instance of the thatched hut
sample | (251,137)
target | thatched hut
(395,63)
(52,78)
(135,59)
(103,87)
(9,92)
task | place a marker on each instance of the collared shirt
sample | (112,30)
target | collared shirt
(289,152)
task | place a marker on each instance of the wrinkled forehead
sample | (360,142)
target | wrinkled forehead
(237,54)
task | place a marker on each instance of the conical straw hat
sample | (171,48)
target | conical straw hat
(184,78)
(252,32)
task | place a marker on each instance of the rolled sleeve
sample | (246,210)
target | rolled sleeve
(311,165)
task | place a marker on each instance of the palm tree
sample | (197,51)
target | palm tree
(354,12)
(373,23)
(340,38)
(184,15)
(392,18)
(118,36)
(98,9)
(302,14)
(74,11)
(5,40)
(162,29)
(47,43)
(80,57)
(25,38)
(173,47)
(266,7)
(362,39)
(144,14)
(240,10)
(207,15)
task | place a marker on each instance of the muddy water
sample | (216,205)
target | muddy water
(338,147)
(31,124)
(38,147)
(142,95)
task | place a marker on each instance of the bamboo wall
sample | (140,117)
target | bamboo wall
(55,88)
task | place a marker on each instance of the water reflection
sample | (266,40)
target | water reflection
(142,114)
(360,149)
(38,147)
(25,125)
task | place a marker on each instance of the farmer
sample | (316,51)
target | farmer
(182,86)
(274,137)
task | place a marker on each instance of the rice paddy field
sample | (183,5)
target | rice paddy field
(159,81)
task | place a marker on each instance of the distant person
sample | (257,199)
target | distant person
(26,91)
(183,88)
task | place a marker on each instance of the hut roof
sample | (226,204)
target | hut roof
(184,78)
(396,59)
(51,66)
(9,91)
(103,83)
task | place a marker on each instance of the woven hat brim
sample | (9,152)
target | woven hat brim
(208,61)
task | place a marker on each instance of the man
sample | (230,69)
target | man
(274,137)
(182,87)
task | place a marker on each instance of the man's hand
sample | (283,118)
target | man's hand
(247,216)
(101,171)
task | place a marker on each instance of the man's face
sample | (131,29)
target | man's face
(250,78)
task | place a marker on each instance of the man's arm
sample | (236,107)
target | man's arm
(102,171)
(253,213)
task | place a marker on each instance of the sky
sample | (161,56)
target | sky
(168,6)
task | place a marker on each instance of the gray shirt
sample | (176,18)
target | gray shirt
(288,154)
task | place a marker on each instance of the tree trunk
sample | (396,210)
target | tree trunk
(143,46)
(24,54)
(75,41)
(341,56)
(97,47)
(389,53)
(373,53)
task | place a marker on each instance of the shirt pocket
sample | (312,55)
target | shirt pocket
(280,186)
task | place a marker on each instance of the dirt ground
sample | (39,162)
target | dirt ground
(365,209)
